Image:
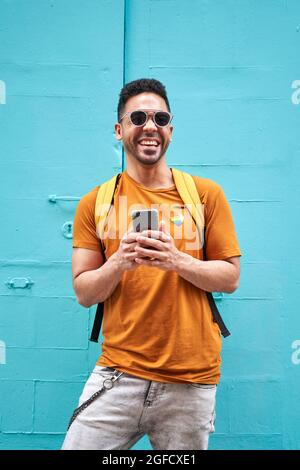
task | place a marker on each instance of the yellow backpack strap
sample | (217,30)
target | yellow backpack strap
(188,192)
(103,203)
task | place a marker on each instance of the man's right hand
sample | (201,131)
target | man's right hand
(126,254)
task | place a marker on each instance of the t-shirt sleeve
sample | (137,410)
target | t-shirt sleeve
(220,236)
(84,228)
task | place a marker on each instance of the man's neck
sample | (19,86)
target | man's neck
(159,176)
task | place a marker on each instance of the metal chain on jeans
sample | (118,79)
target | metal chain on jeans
(107,385)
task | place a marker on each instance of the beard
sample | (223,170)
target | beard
(144,155)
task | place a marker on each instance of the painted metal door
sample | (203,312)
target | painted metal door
(233,85)
(61,69)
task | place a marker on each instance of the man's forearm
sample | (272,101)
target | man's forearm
(95,286)
(210,276)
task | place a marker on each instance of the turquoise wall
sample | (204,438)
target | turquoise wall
(232,71)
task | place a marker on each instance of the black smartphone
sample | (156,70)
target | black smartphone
(144,219)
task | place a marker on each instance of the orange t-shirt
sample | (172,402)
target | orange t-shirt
(157,325)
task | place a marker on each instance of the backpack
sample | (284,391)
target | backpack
(187,190)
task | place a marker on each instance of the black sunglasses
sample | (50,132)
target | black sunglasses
(139,117)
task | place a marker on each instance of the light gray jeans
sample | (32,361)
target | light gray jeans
(173,415)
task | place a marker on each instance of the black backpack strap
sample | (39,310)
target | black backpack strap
(97,323)
(216,315)
(215,312)
(100,308)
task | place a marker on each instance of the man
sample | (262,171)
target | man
(161,352)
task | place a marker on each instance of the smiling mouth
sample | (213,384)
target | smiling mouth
(149,143)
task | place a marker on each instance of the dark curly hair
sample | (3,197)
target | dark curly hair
(142,85)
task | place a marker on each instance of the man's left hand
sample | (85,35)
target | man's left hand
(159,246)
